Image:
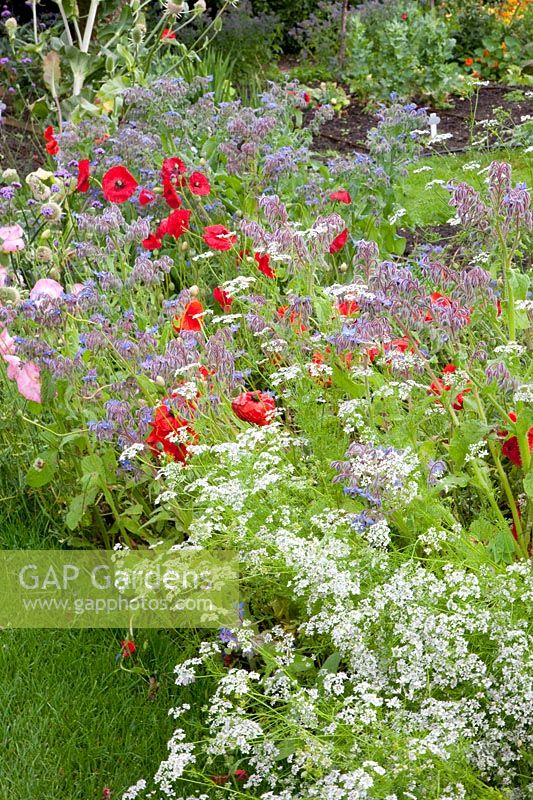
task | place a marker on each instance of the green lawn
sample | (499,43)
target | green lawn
(429,206)
(72,719)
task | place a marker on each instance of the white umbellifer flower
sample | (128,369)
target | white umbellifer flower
(441,137)
(435,182)
(378,534)
(432,540)
(187,390)
(480,258)
(397,215)
(472,165)
(131,452)
(226,319)
(179,710)
(319,370)
(510,349)
(476,451)
(134,791)
(524,393)
(165,497)
(237,286)
(425,168)
(285,374)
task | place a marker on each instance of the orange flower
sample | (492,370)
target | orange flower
(191,319)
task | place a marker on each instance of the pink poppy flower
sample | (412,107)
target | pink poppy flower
(48,287)
(26,376)
(7,344)
(11,239)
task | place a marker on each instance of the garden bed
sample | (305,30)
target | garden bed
(346,132)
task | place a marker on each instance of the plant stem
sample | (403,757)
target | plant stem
(34,17)
(89,25)
(65,22)
(508,289)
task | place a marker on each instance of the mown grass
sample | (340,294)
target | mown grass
(74,716)
(429,206)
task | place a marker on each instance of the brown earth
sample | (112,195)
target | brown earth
(347,132)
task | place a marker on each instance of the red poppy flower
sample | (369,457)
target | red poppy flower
(511,448)
(219,238)
(223,299)
(191,319)
(118,185)
(294,318)
(255,407)
(204,372)
(401,345)
(469,62)
(339,241)
(341,195)
(52,147)
(263,264)
(319,359)
(173,170)
(146,196)
(172,198)
(176,224)
(437,299)
(439,386)
(152,242)
(166,424)
(240,775)
(348,308)
(306,97)
(167,33)
(404,16)
(83,175)
(128,648)
(198,184)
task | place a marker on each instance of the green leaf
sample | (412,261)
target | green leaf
(468,432)
(35,478)
(78,506)
(528,484)
(93,465)
(286,748)
(331,664)
(52,72)
(344,382)
(300,664)
(323,308)
(502,547)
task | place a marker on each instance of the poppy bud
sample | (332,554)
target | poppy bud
(194,290)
